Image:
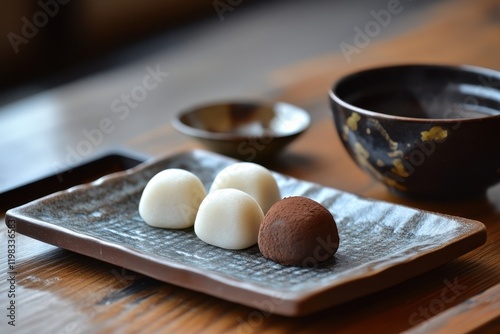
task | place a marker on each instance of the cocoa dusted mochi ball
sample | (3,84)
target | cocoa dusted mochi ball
(298,231)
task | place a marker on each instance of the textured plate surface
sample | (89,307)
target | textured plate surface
(381,244)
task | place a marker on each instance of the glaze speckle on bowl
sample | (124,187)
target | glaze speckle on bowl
(425,131)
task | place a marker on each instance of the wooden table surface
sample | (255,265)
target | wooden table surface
(57,291)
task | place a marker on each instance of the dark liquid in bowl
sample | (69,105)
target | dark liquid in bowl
(429,105)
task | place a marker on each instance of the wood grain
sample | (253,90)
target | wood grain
(61,292)
(478,314)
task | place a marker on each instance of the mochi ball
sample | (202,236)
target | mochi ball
(229,218)
(171,199)
(251,178)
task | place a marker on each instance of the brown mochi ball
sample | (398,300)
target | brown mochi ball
(298,231)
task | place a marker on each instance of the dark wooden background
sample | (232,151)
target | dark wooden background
(277,51)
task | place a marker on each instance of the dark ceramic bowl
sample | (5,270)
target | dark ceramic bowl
(244,130)
(426,131)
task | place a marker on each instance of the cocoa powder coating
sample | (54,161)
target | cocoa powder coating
(298,231)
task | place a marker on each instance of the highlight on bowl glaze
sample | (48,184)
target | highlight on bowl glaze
(427,131)
(245,130)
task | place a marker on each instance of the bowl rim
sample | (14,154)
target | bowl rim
(228,136)
(458,68)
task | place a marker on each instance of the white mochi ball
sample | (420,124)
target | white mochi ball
(229,218)
(254,179)
(171,199)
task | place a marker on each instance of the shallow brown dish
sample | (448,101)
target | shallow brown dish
(381,244)
(245,130)
(425,131)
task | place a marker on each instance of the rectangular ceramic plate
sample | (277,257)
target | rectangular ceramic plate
(381,244)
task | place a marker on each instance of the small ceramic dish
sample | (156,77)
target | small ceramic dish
(244,130)
(426,131)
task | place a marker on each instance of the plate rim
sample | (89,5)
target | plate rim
(288,303)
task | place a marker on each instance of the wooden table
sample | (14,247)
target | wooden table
(57,291)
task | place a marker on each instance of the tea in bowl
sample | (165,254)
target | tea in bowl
(426,131)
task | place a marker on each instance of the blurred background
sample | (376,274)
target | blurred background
(53,40)
(46,43)
(70,69)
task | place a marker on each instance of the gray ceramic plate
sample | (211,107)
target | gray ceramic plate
(382,244)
